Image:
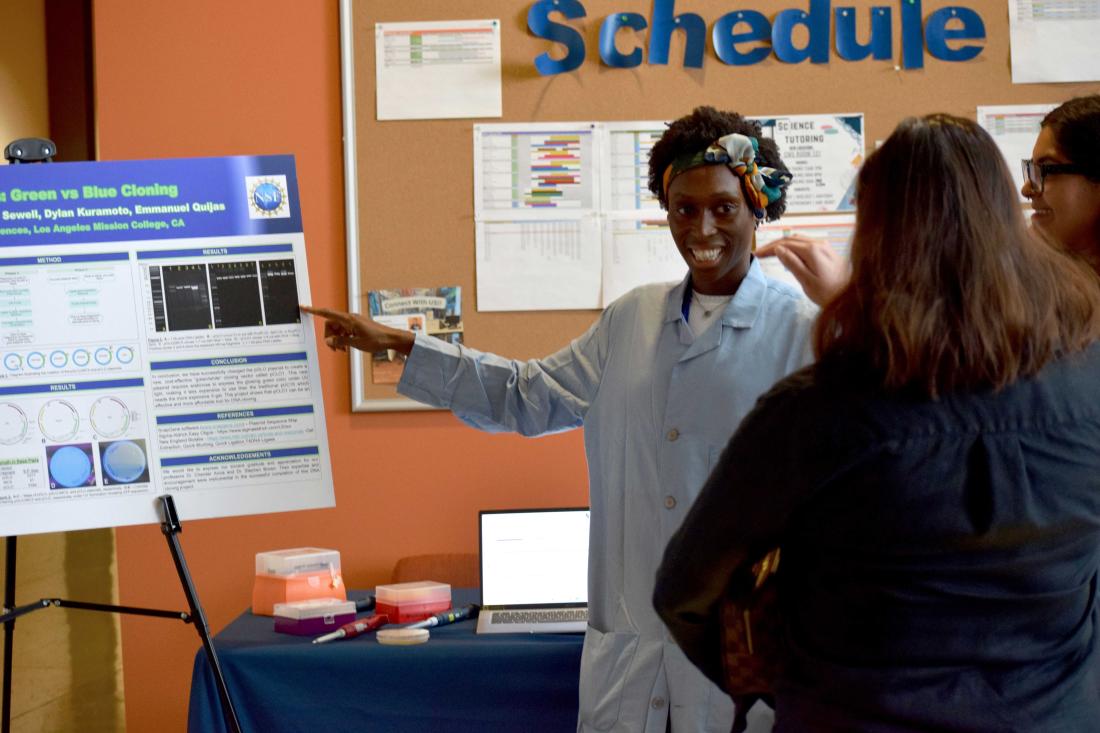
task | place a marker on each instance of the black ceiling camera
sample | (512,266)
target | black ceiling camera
(30,150)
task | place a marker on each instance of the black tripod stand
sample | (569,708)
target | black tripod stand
(38,150)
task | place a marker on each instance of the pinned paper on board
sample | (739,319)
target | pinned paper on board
(835,229)
(1054,40)
(1014,129)
(536,193)
(434,311)
(824,152)
(438,70)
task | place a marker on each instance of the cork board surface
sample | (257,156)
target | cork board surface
(415,178)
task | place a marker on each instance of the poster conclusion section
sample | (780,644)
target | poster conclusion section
(151,343)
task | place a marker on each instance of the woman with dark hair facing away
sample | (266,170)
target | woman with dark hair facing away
(1062,178)
(933,480)
(659,383)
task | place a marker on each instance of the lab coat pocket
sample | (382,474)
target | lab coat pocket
(605,662)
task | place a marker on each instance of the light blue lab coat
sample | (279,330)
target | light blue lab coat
(657,405)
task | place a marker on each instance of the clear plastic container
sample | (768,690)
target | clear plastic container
(297,574)
(405,602)
(314,616)
(297,560)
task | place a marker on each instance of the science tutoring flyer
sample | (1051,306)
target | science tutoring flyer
(151,343)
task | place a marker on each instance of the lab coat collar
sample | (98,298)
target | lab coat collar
(740,312)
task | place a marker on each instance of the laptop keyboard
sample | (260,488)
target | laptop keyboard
(540,616)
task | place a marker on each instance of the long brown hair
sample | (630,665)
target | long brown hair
(949,290)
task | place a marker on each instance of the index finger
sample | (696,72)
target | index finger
(767,250)
(771,249)
(328,314)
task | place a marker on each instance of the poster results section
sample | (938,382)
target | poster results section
(230,378)
(153,344)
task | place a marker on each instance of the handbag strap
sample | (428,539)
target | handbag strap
(767,565)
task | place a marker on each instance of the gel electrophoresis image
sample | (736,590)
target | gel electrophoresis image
(224,295)
(235,294)
(186,297)
(280,291)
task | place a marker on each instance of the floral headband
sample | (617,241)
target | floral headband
(741,153)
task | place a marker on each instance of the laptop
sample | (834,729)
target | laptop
(534,571)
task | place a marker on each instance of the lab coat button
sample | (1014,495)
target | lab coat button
(673,434)
(657,703)
(670,502)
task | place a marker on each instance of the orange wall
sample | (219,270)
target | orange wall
(212,77)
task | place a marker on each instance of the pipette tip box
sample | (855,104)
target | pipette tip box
(296,574)
(405,602)
(313,617)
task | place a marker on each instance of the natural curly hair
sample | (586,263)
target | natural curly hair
(694,132)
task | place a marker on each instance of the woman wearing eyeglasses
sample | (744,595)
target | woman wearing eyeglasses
(1062,179)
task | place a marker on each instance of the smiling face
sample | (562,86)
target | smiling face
(1068,209)
(712,226)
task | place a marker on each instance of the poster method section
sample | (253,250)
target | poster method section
(137,365)
(73,417)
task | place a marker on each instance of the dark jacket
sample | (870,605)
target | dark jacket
(939,566)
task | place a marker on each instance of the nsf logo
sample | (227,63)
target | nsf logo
(267,197)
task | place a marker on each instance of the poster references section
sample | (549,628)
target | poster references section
(138,359)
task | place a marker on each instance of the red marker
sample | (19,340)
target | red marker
(355,628)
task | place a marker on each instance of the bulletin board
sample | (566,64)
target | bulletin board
(410,206)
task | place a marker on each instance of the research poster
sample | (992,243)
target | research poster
(151,344)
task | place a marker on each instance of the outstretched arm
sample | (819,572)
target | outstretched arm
(343,329)
(484,390)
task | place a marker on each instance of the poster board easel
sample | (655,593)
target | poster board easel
(171,527)
(36,150)
(159,358)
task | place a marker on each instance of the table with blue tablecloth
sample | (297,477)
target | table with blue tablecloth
(458,681)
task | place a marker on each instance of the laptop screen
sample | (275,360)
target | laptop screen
(534,557)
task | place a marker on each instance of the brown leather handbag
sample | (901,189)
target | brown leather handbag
(752,631)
